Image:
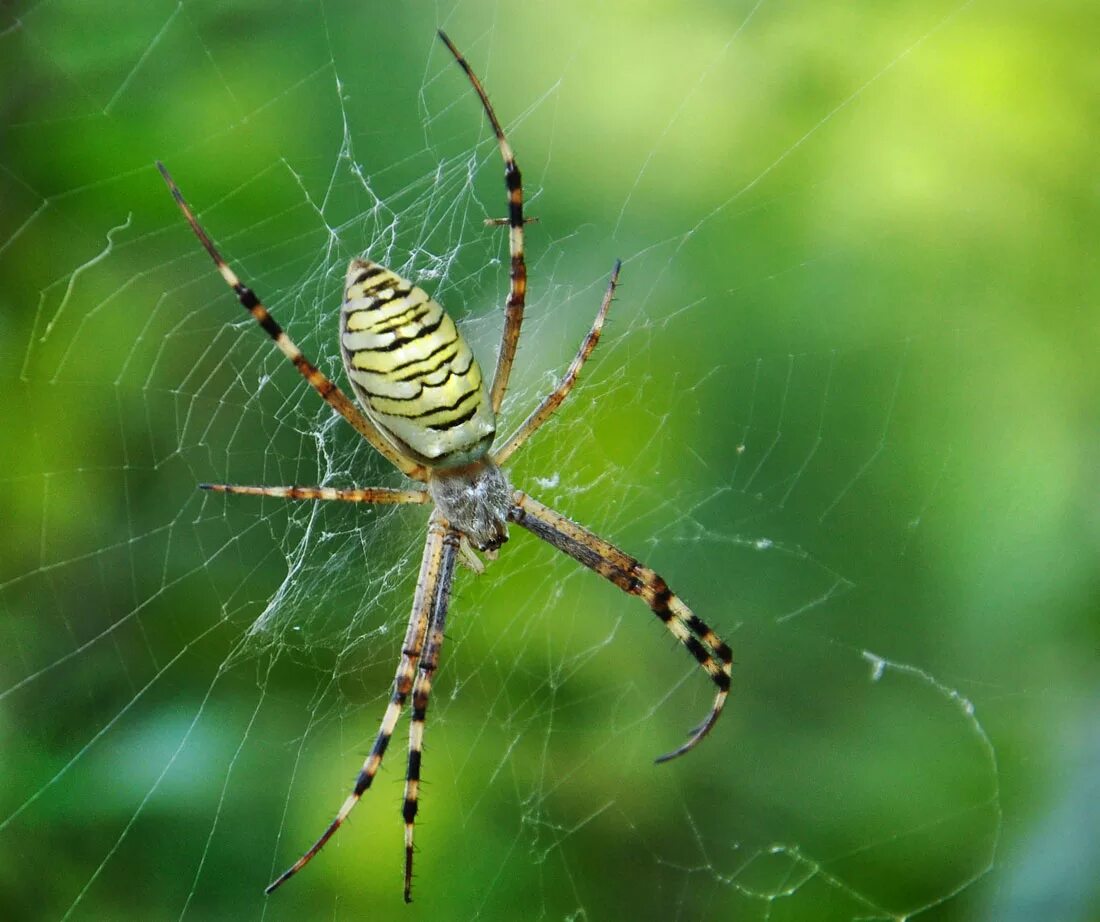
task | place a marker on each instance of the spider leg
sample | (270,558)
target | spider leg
(550,403)
(713,654)
(421,691)
(330,393)
(503,222)
(517,290)
(438,561)
(382,495)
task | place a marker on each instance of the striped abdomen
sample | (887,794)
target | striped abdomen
(411,369)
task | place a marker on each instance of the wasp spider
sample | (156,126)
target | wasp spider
(424,404)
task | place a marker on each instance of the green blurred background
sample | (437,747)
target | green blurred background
(846,404)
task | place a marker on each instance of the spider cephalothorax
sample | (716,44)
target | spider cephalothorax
(426,409)
(475,500)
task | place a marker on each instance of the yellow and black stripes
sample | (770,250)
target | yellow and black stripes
(329,392)
(710,651)
(412,370)
(429,607)
(517,289)
(421,692)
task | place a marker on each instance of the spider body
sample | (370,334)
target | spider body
(412,370)
(426,409)
(417,379)
(476,500)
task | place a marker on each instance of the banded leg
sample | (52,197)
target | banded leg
(380,495)
(421,691)
(330,393)
(712,653)
(433,564)
(554,400)
(517,273)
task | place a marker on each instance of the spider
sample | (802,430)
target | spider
(424,405)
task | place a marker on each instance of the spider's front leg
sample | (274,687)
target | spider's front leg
(421,692)
(432,594)
(709,650)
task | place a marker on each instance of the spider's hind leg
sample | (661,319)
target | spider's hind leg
(552,401)
(326,389)
(517,273)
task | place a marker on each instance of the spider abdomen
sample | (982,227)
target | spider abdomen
(412,370)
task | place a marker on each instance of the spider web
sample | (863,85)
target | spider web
(839,405)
